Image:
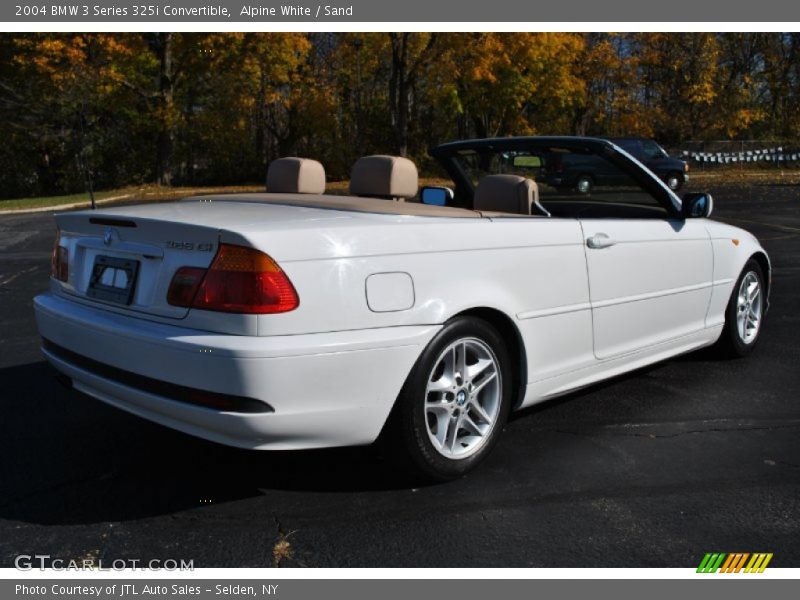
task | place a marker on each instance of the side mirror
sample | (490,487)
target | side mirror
(697,206)
(436,195)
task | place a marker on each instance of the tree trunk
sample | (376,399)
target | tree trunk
(401,132)
(262,133)
(398,43)
(162,45)
(481,128)
(401,82)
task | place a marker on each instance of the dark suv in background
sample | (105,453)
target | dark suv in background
(583,173)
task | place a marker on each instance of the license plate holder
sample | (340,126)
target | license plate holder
(113,279)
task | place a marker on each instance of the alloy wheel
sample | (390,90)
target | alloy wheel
(749,308)
(462,398)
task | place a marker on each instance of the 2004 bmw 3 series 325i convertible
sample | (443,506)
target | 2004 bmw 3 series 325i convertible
(294,319)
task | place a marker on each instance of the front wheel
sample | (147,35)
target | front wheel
(745,312)
(455,401)
(674,181)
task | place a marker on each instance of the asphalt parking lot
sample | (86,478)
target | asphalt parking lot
(650,469)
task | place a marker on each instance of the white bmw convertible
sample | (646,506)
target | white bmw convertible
(296,319)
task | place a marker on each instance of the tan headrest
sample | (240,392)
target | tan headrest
(382,176)
(296,176)
(508,193)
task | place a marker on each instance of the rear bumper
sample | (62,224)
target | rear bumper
(326,389)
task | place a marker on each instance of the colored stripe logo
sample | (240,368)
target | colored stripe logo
(744,562)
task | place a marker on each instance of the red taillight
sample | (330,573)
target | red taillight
(239,280)
(59,262)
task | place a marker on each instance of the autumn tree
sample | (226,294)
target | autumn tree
(239,100)
(61,92)
(81,109)
(679,74)
(780,82)
(610,68)
(410,53)
(511,84)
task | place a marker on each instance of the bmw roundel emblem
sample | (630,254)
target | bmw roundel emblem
(108,236)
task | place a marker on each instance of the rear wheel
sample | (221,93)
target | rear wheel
(455,401)
(584,184)
(745,312)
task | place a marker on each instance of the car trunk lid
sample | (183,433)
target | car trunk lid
(127,262)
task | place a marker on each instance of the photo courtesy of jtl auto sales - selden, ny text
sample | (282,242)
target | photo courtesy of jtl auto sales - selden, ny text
(405,300)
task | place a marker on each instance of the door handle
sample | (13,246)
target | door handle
(599,240)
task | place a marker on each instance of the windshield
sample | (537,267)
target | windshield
(653,150)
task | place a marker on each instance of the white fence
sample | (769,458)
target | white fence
(740,153)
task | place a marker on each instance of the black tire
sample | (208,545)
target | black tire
(408,431)
(730,343)
(674,181)
(584,184)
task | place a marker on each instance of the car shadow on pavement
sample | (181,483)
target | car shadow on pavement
(67,459)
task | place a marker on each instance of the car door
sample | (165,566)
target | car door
(649,281)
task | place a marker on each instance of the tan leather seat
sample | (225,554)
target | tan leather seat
(510,194)
(382,176)
(296,176)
